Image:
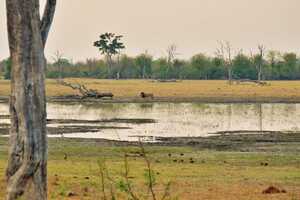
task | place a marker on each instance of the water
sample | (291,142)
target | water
(176,119)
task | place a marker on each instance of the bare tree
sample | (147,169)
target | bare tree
(260,61)
(27,163)
(225,53)
(171,55)
(58,60)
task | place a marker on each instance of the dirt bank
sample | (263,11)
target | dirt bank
(213,99)
(183,91)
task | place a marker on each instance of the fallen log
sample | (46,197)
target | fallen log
(165,80)
(85,92)
(239,81)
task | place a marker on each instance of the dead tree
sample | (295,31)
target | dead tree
(260,61)
(171,55)
(58,58)
(86,93)
(27,162)
(224,52)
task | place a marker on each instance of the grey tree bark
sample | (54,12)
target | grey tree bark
(27,164)
(261,49)
(225,53)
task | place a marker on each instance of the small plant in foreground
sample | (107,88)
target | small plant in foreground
(126,186)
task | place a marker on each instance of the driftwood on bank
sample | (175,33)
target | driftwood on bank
(262,83)
(165,80)
(85,92)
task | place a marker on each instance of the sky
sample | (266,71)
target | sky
(194,26)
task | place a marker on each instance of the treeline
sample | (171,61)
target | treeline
(274,66)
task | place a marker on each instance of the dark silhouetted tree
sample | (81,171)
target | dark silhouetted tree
(109,45)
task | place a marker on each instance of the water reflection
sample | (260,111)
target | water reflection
(178,119)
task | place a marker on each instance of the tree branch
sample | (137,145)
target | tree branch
(47,19)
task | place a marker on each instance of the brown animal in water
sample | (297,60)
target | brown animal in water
(146,95)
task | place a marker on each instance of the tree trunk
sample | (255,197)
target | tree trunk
(27,163)
(109,66)
(229,75)
(259,74)
(60,72)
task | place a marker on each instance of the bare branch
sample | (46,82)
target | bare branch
(225,52)
(85,92)
(47,19)
(261,49)
(149,171)
(126,176)
(220,51)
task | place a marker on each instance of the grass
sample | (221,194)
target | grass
(281,90)
(214,175)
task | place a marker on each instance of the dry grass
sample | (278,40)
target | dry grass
(185,89)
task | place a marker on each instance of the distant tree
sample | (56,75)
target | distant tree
(160,68)
(144,63)
(218,70)
(127,67)
(190,72)
(91,64)
(258,61)
(58,61)
(289,71)
(202,63)
(171,56)
(224,52)
(273,58)
(109,45)
(243,68)
(178,67)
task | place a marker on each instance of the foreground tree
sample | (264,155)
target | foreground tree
(27,163)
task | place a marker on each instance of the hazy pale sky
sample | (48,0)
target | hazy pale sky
(193,25)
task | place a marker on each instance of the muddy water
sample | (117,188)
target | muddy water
(175,119)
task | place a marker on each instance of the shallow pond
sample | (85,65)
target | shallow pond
(171,119)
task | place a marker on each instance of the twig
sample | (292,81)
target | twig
(126,176)
(102,179)
(167,191)
(149,171)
